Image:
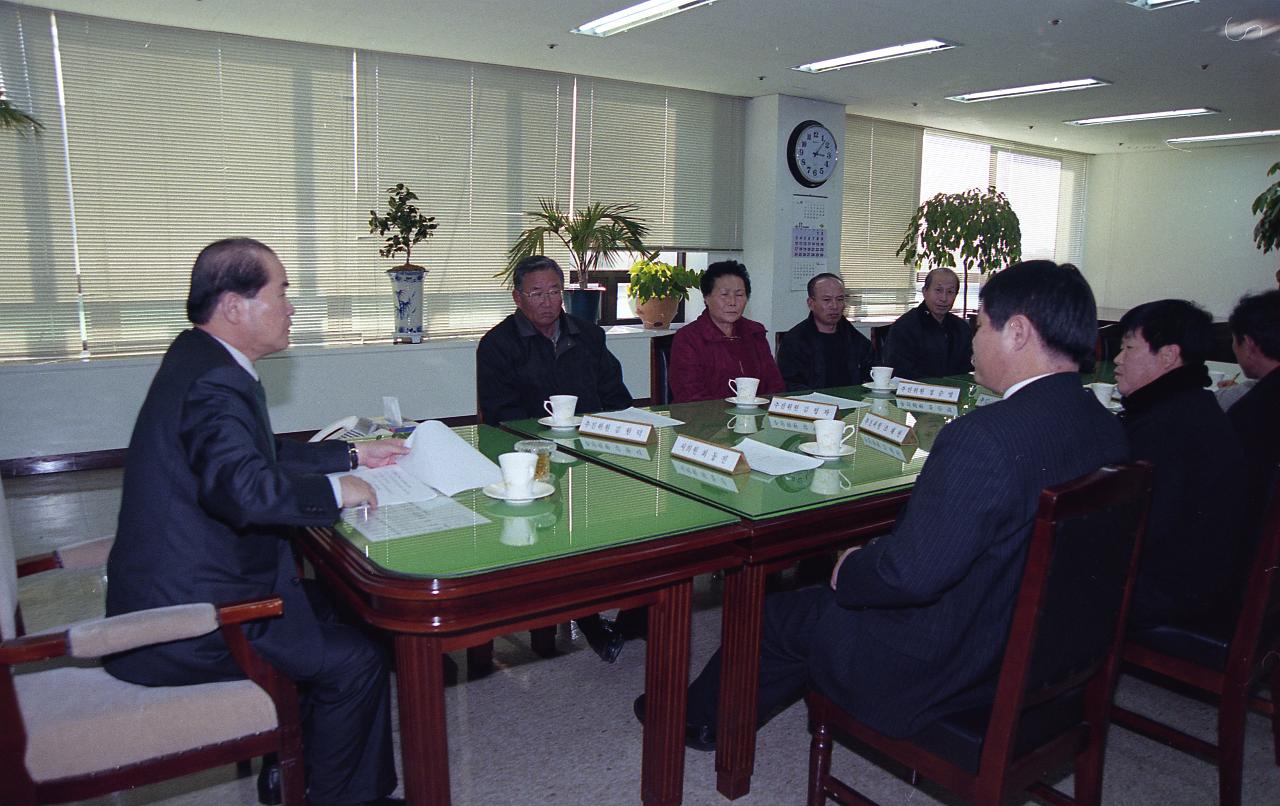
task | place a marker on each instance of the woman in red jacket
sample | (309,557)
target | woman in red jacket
(721,344)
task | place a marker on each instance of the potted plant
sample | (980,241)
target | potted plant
(590,233)
(403,227)
(658,289)
(1267,207)
(11,117)
(978,226)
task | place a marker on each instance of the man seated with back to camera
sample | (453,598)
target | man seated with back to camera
(1194,535)
(1255,339)
(929,341)
(539,351)
(824,350)
(912,627)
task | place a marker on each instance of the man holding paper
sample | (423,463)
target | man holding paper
(207,490)
(912,626)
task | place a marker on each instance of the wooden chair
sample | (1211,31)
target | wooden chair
(1055,682)
(1228,657)
(73,731)
(659,365)
(879,340)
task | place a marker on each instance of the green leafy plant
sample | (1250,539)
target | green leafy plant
(979,227)
(1267,207)
(406,223)
(653,279)
(11,117)
(590,234)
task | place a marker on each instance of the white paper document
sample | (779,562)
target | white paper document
(839,402)
(406,520)
(438,459)
(775,461)
(634,415)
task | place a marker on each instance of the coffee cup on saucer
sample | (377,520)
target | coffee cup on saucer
(880,377)
(831,435)
(744,389)
(561,408)
(517,473)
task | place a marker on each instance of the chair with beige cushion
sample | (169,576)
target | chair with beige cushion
(71,731)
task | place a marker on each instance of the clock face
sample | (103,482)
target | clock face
(811,153)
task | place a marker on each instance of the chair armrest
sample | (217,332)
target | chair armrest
(31,648)
(86,554)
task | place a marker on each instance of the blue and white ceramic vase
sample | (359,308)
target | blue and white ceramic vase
(406,283)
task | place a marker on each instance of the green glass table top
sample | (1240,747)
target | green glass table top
(592,508)
(874,467)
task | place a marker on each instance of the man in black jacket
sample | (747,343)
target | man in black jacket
(1255,334)
(824,350)
(1195,535)
(929,341)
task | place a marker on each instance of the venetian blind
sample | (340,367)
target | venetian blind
(881,183)
(39,300)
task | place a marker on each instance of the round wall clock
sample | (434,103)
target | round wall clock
(811,153)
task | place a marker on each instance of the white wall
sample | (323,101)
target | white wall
(1177,224)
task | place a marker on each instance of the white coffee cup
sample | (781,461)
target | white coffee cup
(1103,391)
(831,435)
(561,408)
(517,473)
(829,481)
(743,424)
(1216,377)
(880,376)
(744,389)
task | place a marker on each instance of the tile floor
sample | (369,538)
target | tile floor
(561,731)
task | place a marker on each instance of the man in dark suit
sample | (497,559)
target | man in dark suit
(824,350)
(1255,339)
(207,487)
(913,625)
(929,341)
(1195,536)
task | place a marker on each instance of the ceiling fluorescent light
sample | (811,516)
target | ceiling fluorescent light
(1174,113)
(1033,89)
(632,16)
(1236,136)
(883,54)
(1153,5)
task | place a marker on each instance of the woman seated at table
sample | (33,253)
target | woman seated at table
(721,344)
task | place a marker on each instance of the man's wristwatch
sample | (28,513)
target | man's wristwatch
(353,455)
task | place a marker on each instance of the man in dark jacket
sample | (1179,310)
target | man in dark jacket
(1255,334)
(824,350)
(1195,536)
(540,351)
(929,341)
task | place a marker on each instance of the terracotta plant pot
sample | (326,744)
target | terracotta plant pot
(657,313)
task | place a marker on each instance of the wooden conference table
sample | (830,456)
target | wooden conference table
(600,540)
(785,518)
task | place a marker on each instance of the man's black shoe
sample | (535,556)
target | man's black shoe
(607,642)
(697,736)
(269,781)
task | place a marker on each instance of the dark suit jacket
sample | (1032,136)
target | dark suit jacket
(804,365)
(206,488)
(1256,419)
(920,346)
(517,369)
(920,617)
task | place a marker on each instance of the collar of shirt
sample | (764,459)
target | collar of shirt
(1008,393)
(241,358)
(526,328)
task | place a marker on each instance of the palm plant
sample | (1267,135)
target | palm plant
(11,117)
(1267,207)
(590,234)
(981,227)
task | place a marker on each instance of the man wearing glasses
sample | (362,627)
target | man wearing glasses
(540,351)
(824,350)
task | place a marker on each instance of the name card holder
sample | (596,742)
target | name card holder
(802,409)
(986,398)
(709,454)
(928,407)
(888,448)
(888,430)
(622,430)
(929,391)
(614,448)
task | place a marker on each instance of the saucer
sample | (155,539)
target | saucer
(573,422)
(811,448)
(498,490)
(884,390)
(750,403)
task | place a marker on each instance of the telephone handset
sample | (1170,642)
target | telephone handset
(346,428)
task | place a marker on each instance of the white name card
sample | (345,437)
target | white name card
(802,409)
(717,480)
(598,426)
(902,454)
(615,448)
(886,429)
(928,391)
(791,424)
(709,454)
(929,407)
(986,398)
